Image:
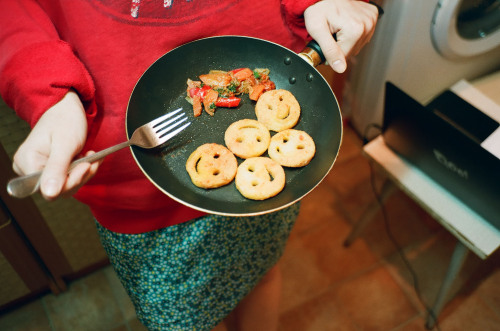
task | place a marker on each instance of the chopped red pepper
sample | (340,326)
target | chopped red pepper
(243,74)
(257,91)
(197,106)
(199,91)
(236,70)
(209,101)
(230,102)
(218,89)
(216,79)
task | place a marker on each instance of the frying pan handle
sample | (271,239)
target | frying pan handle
(312,52)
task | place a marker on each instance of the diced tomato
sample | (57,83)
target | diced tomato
(216,79)
(236,70)
(268,85)
(192,84)
(243,74)
(256,92)
(209,101)
(197,108)
(199,91)
(220,89)
(230,102)
(263,77)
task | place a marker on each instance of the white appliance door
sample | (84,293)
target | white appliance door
(465,28)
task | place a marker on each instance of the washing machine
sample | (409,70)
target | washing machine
(424,47)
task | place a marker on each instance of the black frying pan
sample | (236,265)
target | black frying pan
(162,88)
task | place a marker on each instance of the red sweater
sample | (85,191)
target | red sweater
(100,49)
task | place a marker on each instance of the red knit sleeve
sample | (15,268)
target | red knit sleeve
(293,11)
(37,68)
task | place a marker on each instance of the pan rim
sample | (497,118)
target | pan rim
(243,213)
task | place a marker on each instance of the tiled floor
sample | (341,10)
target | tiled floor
(326,285)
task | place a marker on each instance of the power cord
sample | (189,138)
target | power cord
(391,236)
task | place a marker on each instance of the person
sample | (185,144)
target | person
(68,69)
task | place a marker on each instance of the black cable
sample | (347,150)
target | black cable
(392,238)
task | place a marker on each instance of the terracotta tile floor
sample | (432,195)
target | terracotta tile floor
(326,285)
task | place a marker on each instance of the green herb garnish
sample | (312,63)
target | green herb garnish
(232,87)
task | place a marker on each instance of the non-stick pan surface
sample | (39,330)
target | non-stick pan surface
(162,88)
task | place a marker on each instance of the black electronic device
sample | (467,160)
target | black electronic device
(443,139)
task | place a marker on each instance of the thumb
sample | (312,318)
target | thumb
(335,58)
(331,50)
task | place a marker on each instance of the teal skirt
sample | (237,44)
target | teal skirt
(192,275)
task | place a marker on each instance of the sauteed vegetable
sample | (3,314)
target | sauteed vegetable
(224,88)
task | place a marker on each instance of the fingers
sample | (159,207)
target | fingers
(79,175)
(55,171)
(357,31)
(56,139)
(321,31)
(26,163)
(352,22)
(332,51)
(56,181)
(31,156)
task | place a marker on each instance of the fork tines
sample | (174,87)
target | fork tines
(164,129)
(160,119)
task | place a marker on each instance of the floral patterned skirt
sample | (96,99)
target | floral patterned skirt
(192,275)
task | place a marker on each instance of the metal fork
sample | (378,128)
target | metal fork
(152,134)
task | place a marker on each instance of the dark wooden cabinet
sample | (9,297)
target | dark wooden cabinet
(43,245)
(21,273)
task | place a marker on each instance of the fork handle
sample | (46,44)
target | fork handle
(24,186)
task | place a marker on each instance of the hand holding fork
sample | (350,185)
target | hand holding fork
(149,135)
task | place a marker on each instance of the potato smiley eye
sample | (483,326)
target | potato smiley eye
(196,163)
(271,177)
